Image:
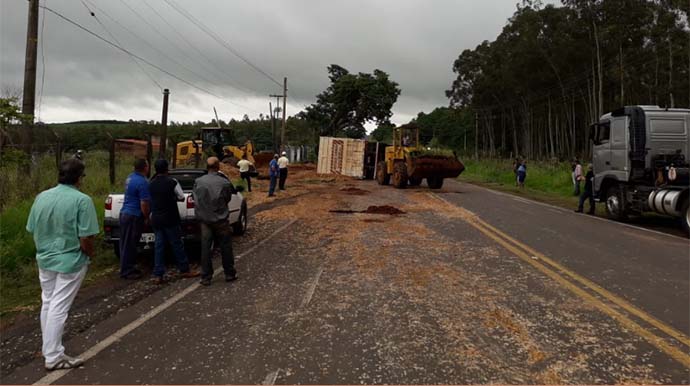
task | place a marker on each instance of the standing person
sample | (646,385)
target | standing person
(577,176)
(165,220)
(283,163)
(273,172)
(212,193)
(522,174)
(516,165)
(244,166)
(133,216)
(63,223)
(588,192)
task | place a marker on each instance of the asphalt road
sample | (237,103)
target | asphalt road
(466,286)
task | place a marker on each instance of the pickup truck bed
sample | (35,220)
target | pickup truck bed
(191,232)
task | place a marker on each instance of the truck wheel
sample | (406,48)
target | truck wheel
(685,216)
(434,182)
(615,208)
(240,227)
(382,177)
(414,181)
(400,175)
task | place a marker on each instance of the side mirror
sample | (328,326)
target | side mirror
(239,188)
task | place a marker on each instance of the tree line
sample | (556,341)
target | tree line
(553,71)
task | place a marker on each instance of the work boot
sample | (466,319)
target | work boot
(229,278)
(158,280)
(205,282)
(578,210)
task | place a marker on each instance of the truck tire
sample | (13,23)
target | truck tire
(382,176)
(400,175)
(434,182)
(685,216)
(413,181)
(615,205)
(240,227)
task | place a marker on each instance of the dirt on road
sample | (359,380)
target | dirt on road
(378,285)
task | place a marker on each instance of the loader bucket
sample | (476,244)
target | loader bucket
(434,166)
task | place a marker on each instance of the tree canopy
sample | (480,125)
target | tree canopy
(351,101)
(554,70)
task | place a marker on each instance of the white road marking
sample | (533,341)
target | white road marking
(562,210)
(271,378)
(312,288)
(119,334)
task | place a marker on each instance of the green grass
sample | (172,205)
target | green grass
(19,287)
(546,181)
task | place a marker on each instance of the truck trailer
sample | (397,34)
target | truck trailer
(641,162)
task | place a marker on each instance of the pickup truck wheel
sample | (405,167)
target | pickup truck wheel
(685,213)
(382,176)
(240,226)
(400,175)
(615,208)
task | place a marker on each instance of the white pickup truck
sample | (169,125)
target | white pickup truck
(191,232)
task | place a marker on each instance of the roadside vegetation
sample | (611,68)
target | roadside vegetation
(19,287)
(547,181)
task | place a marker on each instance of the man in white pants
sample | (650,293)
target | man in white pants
(63,223)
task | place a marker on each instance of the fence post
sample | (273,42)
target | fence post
(173,145)
(149,152)
(111,159)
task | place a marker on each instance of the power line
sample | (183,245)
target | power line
(219,40)
(118,42)
(142,59)
(198,51)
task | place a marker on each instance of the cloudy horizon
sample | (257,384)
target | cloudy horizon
(415,42)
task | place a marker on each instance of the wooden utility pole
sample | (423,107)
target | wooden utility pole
(273,128)
(277,147)
(282,129)
(164,125)
(29,93)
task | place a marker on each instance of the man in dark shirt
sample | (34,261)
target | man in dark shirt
(165,220)
(212,193)
(588,192)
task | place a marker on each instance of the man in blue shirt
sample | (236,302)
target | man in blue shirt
(273,173)
(63,223)
(133,216)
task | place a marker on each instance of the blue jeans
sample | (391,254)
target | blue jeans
(172,236)
(272,185)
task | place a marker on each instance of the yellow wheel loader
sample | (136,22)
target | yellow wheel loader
(407,162)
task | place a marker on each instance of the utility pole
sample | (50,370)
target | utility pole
(273,128)
(282,130)
(164,125)
(275,135)
(29,93)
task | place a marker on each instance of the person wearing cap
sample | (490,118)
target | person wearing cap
(165,220)
(283,166)
(212,194)
(273,173)
(588,192)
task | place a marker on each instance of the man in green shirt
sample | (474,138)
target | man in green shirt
(63,223)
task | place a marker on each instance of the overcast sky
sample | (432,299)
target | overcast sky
(415,41)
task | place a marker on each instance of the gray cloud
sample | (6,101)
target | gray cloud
(414,41)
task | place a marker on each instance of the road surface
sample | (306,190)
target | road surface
(466,286)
